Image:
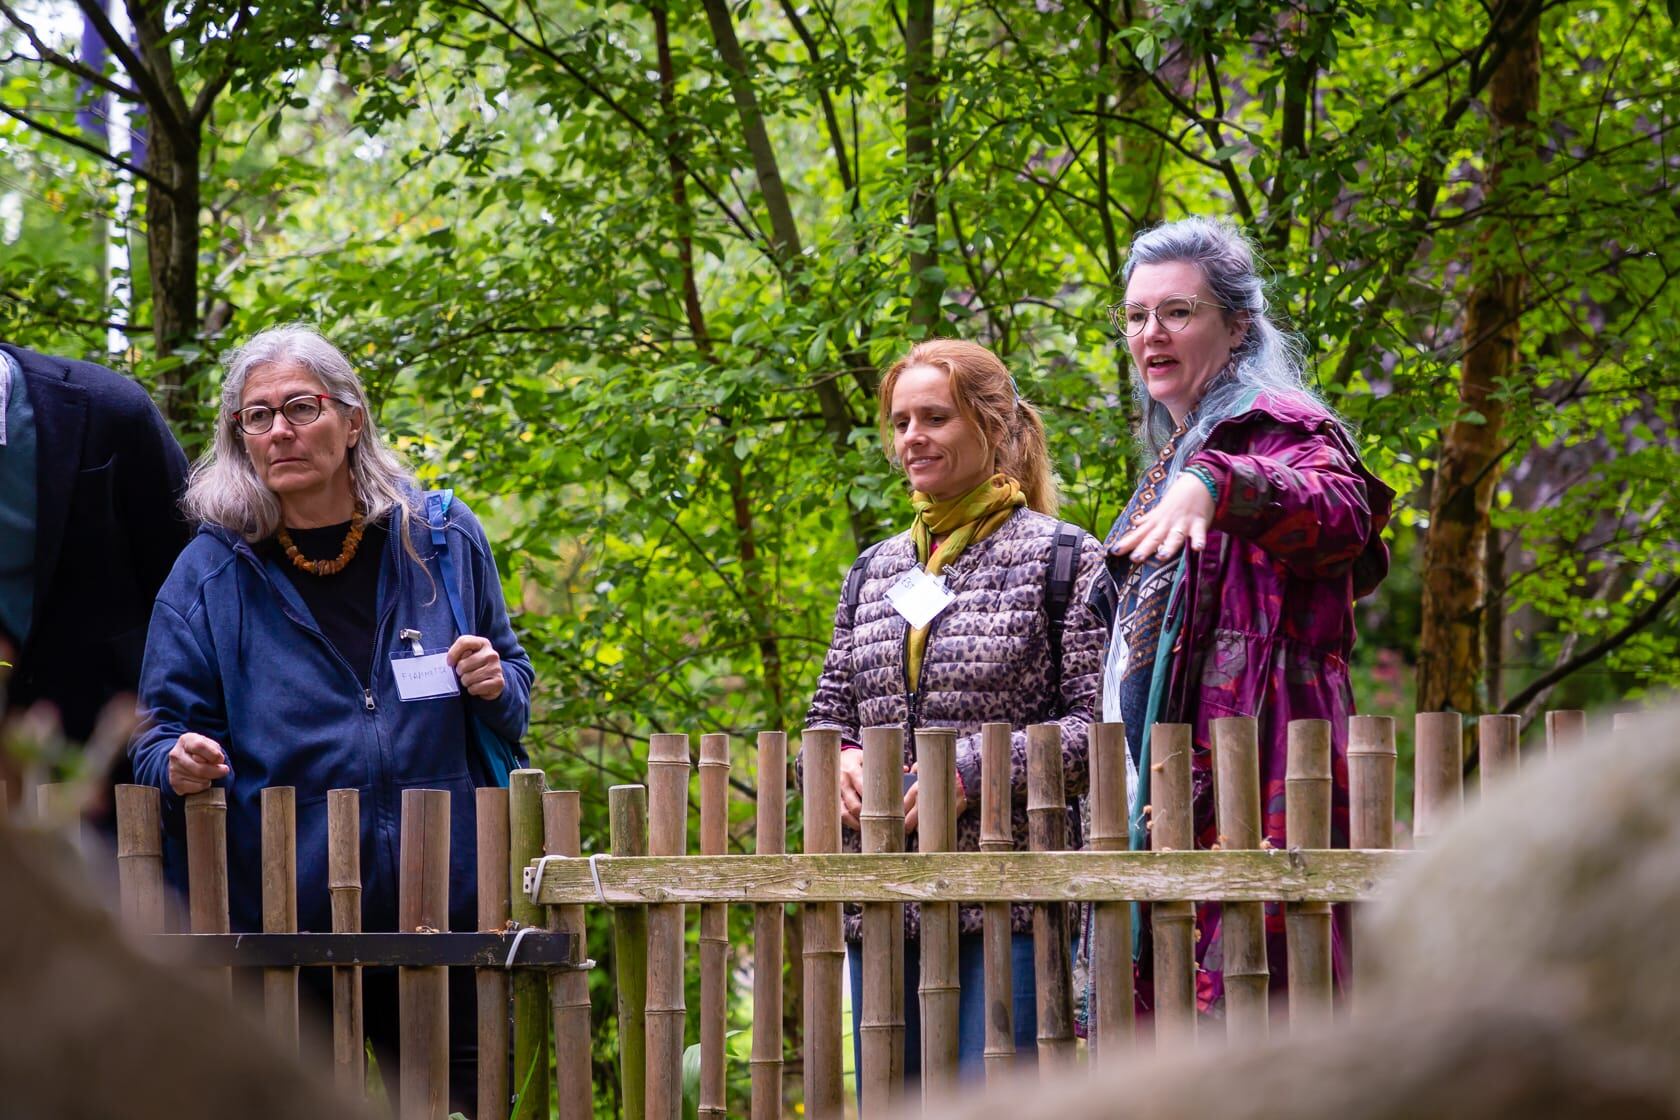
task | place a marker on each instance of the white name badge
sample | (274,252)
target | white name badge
(425,678)
(919,597)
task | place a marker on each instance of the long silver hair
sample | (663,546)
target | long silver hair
(1268,360)
(224,488)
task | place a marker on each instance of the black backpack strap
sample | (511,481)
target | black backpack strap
(853,588)
(1059,579)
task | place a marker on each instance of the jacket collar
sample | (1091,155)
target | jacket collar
(7,365)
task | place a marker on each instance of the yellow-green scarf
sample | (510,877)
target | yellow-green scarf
(961,521)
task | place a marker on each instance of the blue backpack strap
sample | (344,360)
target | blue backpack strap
(437,512)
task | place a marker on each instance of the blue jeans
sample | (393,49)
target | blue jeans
(971,1006)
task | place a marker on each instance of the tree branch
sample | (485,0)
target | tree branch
(1545,682)
(64,62)
(1209,126)
(623,111)
(144,80)
(92,149)
(214,85)
(1427,189)
(836,138)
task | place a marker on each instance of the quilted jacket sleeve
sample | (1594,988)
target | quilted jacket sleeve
(834,704)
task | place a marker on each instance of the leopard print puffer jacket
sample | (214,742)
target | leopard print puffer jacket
(988,660)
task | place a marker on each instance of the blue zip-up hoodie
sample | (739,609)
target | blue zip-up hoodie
(233,653)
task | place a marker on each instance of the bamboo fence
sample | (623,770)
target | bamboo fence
(1245,873)
(422,949)
(534,885)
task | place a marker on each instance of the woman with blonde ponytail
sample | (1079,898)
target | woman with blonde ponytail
(991,635)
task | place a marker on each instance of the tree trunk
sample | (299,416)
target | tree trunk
(784,231)
(172,258)
(921,169)
(1493,621)
(1450,662)
(755,596)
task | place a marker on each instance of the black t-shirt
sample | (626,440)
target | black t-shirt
(345,604)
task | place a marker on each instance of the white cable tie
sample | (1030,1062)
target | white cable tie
(595,874)
(534,877)
(513,950)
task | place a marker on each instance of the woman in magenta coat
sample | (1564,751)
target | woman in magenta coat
(1239,557)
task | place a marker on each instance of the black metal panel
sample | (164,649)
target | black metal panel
(537,948)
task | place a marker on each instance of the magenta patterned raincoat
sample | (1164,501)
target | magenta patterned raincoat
(1260,622)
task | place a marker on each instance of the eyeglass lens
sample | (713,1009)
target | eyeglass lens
(259,418)
(1174,315)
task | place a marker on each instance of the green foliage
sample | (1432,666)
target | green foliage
(500,213)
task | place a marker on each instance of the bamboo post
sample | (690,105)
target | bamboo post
(714,928)
(1112,995)
(574,1095)
(1497,737)
(1236,760)
(344,884)
(881,1026)
(996,835)
(1173,924)
(1052,969)
(279,903)
(55,804)
(1371,758)
(771,832)
(530,987)
(1439,772)
(423,993)
(666,1009)
(1565,729)
(627,822)
(139,858)
(825,946)
(494,910)
(207,874)
(940,989)
(1306,793)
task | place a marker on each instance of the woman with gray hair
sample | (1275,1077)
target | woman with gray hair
(1251,533)
(329,627)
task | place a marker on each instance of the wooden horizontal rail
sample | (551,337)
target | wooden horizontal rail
(1245,876)
(540,948)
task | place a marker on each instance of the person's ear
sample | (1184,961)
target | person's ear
(1240,324)
(355,427)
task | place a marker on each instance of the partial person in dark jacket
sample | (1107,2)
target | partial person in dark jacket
(276,643)
(985,502)
(89,526)
(1240,555)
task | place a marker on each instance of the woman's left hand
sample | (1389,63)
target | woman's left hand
(478,665)
(1183,515)
(913,795)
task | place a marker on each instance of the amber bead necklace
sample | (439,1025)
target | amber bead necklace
(326,567)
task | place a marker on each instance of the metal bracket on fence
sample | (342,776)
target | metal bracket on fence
(537,948)
(534,876)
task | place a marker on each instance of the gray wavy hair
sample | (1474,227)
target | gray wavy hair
(224,488)
(1267,360)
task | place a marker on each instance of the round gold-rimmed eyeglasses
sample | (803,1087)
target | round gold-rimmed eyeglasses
(1173,313)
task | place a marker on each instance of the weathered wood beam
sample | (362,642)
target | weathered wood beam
(1260,876)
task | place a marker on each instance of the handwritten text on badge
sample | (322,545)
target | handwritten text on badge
(424,678)
(919,597)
